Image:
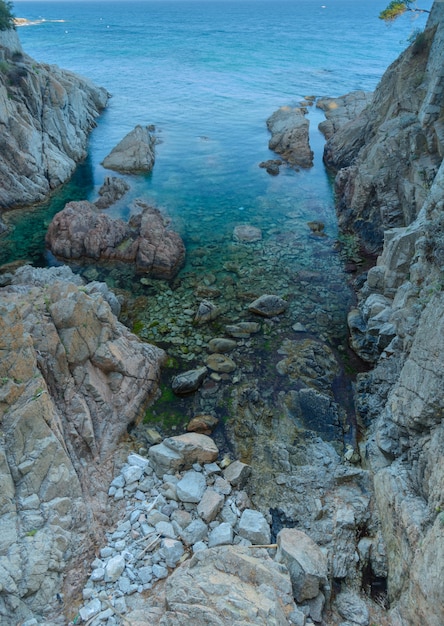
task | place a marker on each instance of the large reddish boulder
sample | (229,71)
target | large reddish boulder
(80,232)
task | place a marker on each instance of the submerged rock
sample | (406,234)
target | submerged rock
(247,233)
(242,330)
(221,344)
(268,305)
(271,166)
(220,363)
(135,153)
(206,312)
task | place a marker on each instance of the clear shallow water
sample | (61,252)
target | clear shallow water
(207,75)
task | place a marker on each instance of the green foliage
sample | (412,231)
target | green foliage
(6,16)
(396,8)
(393,11)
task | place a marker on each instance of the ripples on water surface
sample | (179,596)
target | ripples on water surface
(207,75)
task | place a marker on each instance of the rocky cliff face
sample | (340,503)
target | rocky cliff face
(388,157)
(46,115)
(393,175)
(71,380)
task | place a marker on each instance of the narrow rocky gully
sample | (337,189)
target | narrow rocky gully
(259,373)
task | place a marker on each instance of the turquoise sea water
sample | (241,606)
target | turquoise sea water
(207,74)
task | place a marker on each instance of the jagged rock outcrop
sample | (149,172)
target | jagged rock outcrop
(71,380)
(402,403)
(399,324)
(386,159)
(111,191)
(289,136)
(80,232)
(135,153)
(46,114)
(340,111)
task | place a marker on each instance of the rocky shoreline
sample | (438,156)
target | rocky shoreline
(348,528)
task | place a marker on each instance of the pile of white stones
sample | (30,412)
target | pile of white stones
(169,516)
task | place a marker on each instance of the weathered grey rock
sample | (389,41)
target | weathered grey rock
(316,606)
(132,474)
(90,610)
(46,115)
(237,474)
(206,312)
(138,461)
(340,111)
(221,535)
(108,295)
(377,186)
(254,527)
(191,487)
(243,330)
(228,585)
(182,452)
(135,153)
(210,505)
(268,305)
(246,233)
(194,532)
(220,344)
(351,607)
(289,136)
(59,446)
(171,551)
(159,571)
(188,382)
(305,561)
(164,459)
(114,568)
(81,233)
(220,363)
(165,529)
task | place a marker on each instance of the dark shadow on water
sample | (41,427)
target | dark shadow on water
(25,239)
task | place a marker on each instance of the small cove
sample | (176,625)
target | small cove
(208,75)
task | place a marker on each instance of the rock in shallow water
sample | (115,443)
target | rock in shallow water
(247,233)
(289,136)
(220,363)
(268,305)
(82,233)
(187,382)
(135,153)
